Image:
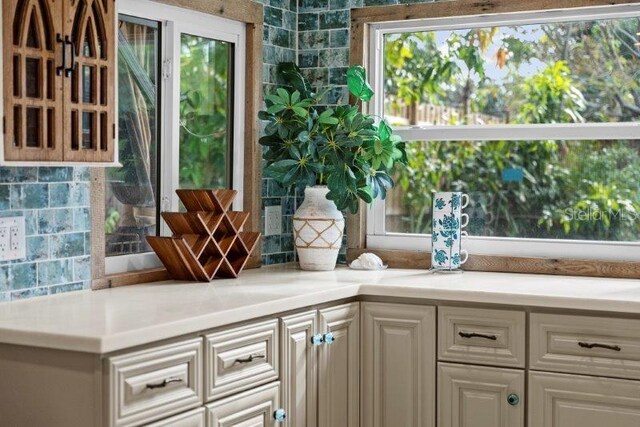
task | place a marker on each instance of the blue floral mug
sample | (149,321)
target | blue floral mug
(449,202)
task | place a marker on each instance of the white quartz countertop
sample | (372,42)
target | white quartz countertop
(115,319)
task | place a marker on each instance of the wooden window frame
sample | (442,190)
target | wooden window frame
(251,14)
(361,20)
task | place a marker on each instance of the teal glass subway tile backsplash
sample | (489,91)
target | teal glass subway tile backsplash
(55,204)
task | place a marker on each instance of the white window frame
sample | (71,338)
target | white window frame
(379,238)
(176,21)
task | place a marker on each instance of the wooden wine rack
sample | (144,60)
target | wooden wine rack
(207,242)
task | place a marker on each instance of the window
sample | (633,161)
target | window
(534,115)
(180,120)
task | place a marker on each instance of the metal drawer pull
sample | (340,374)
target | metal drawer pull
(596,345)
(474,335)
(164,383)
(250,358)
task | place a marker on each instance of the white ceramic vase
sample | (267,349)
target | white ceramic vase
(318,227)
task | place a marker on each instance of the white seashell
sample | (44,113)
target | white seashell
(368,261)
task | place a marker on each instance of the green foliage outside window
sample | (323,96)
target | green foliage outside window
(585,72)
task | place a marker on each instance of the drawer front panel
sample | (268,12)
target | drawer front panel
(559,400)
(588,345)
(253,408)
(486,337)
(155,383)
(241,358)
(195,418)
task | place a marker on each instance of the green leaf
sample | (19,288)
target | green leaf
(286,163)
(357,83)
(276,108)
(264,115)
(284,95)
(291,74)
(384,131)
(275,99)
(300,112)
(365,194)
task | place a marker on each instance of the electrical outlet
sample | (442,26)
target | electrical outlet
(272,220)
(12,238)
(4,241)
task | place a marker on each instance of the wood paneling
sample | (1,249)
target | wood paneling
(90,103)
(443,9)
(558,267)
(33,92)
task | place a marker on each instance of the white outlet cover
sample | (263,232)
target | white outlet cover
(272,220)
(13,245)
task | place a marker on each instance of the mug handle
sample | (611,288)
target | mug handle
(466,256)
(464,220)
(465,201)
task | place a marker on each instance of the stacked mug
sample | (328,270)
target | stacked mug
(447,254)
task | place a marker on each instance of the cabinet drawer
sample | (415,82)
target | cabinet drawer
(485,337)
(195,418)
(255,408)
(583,344)
(155,383)
(560,400)
(241,358)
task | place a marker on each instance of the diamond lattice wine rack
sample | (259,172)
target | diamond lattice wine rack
(207,242)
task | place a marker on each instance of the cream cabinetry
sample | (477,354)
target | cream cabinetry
(586,345)
(479,396)
(320,367)
(398,371)
(481,336)
(339,367)
(362,363)
(253,408)
(471,395)
(153,383)
(559,400)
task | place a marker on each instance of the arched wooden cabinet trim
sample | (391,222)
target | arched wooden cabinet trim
(59,61)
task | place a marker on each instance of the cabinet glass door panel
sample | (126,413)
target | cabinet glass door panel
(33,89)
(90,80)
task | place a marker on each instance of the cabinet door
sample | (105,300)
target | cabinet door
(480,396)
(558,400)
(398,356)
(32,88)
(90,88)
(299,371)
(253,408)
(339,367)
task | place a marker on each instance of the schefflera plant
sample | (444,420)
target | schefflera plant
(339,147)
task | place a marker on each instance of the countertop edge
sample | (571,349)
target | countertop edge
(203,323)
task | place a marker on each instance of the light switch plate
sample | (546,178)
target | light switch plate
(12,238)
(272,220)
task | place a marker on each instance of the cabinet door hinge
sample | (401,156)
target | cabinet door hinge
(4,125)
(114,131)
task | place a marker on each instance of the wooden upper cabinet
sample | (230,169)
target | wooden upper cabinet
(59,61)
(33,98)
(90,107)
